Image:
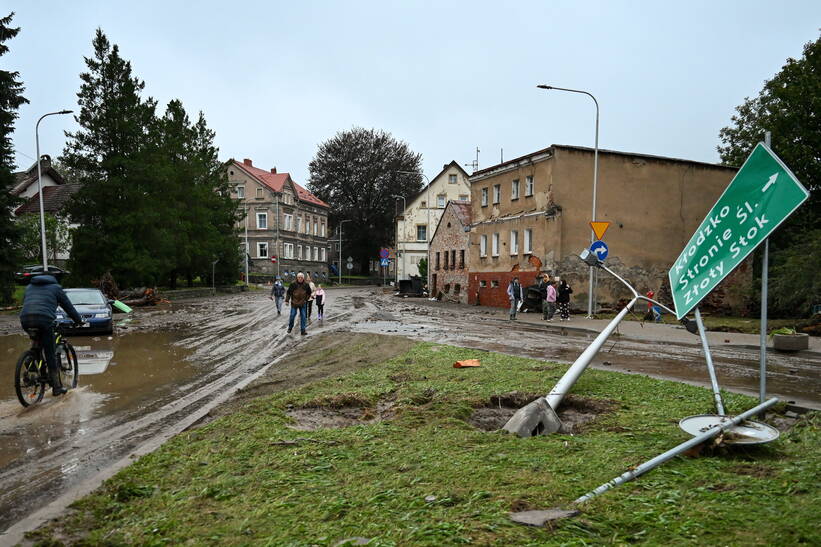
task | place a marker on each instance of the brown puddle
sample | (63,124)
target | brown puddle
(575,411)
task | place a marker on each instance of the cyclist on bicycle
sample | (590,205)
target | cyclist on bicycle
(39,312)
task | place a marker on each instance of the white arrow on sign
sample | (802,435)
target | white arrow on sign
(770,182)
(601,251)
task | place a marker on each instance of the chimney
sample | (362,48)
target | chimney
(248,162)
(274,170)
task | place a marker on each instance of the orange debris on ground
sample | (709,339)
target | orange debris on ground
(467,363)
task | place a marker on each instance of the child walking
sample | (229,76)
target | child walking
(319,298)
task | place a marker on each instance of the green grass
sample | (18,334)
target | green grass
(235,482)
(747,325)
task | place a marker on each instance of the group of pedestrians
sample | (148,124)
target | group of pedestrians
(301,295)
(554,294)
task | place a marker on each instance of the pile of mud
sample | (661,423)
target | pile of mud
(575,411)
(331,417)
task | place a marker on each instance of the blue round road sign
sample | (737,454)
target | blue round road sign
(599,248)
(384,253)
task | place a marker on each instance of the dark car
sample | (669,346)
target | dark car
(95,309)
(23,277)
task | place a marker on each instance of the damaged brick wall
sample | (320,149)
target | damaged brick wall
(450,238)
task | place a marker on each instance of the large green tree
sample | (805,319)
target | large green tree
(788,106)
(358,172)
(11,97)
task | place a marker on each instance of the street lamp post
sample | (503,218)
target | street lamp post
(341,222)
(590,298)
(396,239)
(40,185)
(247,250)
(427,226)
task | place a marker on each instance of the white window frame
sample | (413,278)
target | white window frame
(289,221)
(322,229)
(297,223)
(322,255)
(497,193)
(514,189)
(260,195)
(464,197)
(425,228)
(528,185)
(441,201)
(262,249)
(316,254)
(494,244)
(483,245)
(264,224)
(484,196)
(289,250)
(514,242)
(316,227)
(240,191)
(529,241)
(452,179)
(299,252)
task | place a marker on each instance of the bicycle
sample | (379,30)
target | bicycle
(31,373)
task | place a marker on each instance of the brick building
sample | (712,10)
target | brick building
(283,221)
(449,253)
(531,214)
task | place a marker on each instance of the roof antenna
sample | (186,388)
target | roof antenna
(474,163)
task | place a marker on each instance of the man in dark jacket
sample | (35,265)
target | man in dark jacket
(278,294)
(298,294)
(39,312)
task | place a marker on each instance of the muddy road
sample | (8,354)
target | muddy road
(168,367)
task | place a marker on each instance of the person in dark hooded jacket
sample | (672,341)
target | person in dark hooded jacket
(40,302)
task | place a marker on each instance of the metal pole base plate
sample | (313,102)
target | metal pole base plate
(535,418)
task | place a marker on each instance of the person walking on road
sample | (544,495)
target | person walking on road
(278,294)
(319,298)
(311,298)
(563,300)
(515,295)
(297,296)
(543,280)
(550,301)
(39,312)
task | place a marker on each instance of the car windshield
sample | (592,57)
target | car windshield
(85,298)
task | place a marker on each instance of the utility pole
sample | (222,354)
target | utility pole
(40,185)
(341,222)
(247,249)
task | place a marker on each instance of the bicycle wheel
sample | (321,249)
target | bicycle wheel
(67,360)
(27,381)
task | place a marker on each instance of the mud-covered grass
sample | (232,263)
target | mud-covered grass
(427,476)
(719,323)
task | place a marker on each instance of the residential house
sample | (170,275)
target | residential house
(450,259)
(532,214)
(286,225)
(26,181)
(422,214)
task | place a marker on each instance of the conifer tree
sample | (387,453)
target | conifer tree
(11,97)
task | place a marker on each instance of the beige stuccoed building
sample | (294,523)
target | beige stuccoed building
(419,219)
(531,215)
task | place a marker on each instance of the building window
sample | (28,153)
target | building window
(259,193)
(424,204)
(514,190)
(514,242)
(289,250)
(494,283)
(483,245)
(262,221)
(299,252)
(462,259)
(240,192)
(497,193)
(529,185)
(451,179)
(437,260)
(484,197)
(289,221)
(298,224)
(316,227)
(440,201)
(528,241)
(453,259)
(322,229)
(464,197)
(482,284)
(322,256)
(421,232)
(316,254)
(494,248)
(262,250)
(445,262)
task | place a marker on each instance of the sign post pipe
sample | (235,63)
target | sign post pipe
(765,266)
(708,356)
(673,452)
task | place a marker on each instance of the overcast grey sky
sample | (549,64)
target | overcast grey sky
(275,79)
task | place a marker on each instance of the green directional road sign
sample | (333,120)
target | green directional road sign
(762,194)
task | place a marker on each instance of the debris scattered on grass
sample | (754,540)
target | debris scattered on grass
(467,363)
(542,517)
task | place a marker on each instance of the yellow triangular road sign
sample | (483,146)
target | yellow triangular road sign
(599,228)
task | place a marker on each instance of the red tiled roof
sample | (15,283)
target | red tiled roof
(276,182)
(463,211)
(54,198)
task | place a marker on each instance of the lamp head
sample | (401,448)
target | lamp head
(66,112)
(542,86)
